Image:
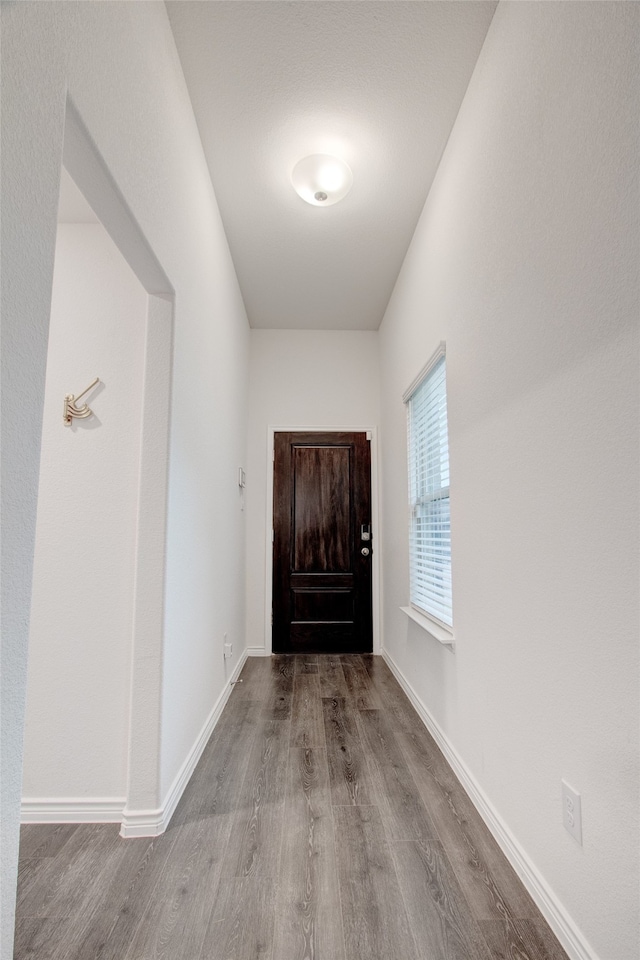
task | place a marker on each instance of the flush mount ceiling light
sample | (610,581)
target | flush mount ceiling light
(321,180)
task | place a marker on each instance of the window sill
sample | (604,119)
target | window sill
(439,632)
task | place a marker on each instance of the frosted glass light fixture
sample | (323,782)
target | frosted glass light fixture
(321,180)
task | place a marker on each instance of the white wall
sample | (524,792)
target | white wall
(76,733)
(305,378)
(525,262)
(118,64)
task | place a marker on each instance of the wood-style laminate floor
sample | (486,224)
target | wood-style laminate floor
(322,823)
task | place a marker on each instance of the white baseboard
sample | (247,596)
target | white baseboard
(72,810)
(143,823)
(551,908)
(258,652)
(151,823)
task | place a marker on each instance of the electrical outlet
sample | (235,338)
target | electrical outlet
(228,649)
(571,811)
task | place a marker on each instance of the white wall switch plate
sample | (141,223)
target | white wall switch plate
(571,811)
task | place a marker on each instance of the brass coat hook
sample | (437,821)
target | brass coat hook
(70,408)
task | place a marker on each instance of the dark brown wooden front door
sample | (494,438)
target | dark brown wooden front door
(322,543)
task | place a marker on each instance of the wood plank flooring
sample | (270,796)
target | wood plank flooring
(322,823)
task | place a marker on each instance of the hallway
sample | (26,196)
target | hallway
(322,823)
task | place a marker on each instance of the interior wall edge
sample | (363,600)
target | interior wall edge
(151,823)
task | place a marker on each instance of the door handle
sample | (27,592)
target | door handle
(365,551)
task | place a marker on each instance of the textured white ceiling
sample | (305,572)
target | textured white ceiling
(376,83)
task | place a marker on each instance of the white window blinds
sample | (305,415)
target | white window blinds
(430,529)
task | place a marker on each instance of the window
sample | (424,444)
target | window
(430,529)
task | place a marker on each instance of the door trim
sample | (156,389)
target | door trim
(375,528)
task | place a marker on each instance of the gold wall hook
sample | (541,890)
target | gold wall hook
(70,408)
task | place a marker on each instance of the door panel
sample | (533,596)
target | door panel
(321,505)
(322,580)
(315,605)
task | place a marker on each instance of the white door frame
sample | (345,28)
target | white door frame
(372,435)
